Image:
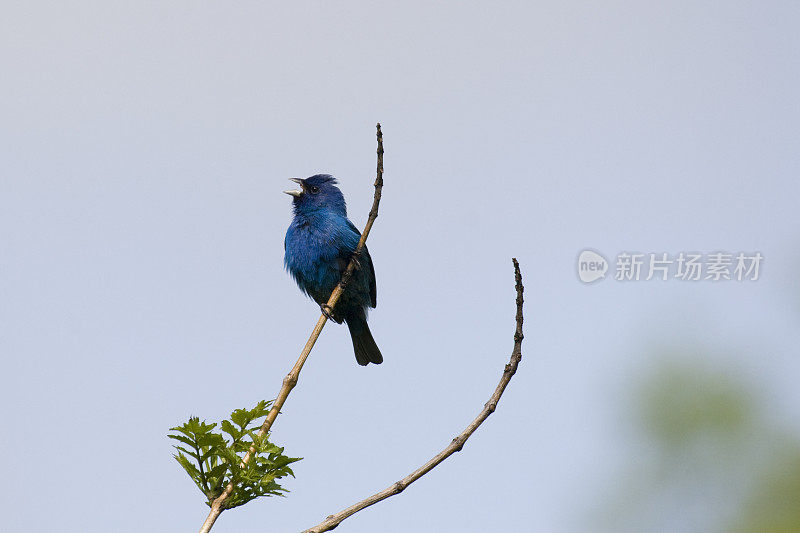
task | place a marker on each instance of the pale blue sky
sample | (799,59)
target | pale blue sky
(143,150)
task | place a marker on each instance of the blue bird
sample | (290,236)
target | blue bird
(319,244)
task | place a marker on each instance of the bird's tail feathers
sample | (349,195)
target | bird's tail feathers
(363,344)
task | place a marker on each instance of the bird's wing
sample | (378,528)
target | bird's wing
(373,293)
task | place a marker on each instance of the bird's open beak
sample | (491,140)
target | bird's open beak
(296,193)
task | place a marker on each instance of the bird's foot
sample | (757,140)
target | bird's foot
(327,310)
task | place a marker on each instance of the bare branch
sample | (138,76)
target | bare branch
(457,443)
(290,380)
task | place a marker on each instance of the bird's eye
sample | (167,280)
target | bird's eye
(314,189)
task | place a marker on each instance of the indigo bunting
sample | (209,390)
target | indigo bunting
(319,244)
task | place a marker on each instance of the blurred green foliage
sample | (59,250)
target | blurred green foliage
(774,505)
(683,403)
(705,457)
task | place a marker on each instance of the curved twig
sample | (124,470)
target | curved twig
(218,505)
(457,443)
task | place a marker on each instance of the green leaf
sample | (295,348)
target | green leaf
(222,460)
(198,428)
(262,408)
(211,439)
(231,430)
(187,465)
(190,453)
(241,417)
(218,471)
(186,440)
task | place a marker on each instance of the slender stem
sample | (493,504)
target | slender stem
(457,443)
(218,505)
(200,463)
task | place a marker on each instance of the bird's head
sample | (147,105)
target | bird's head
(319,192)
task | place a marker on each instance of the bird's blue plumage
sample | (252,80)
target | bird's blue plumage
(319,244)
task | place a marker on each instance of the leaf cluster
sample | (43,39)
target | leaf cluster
(214,459)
